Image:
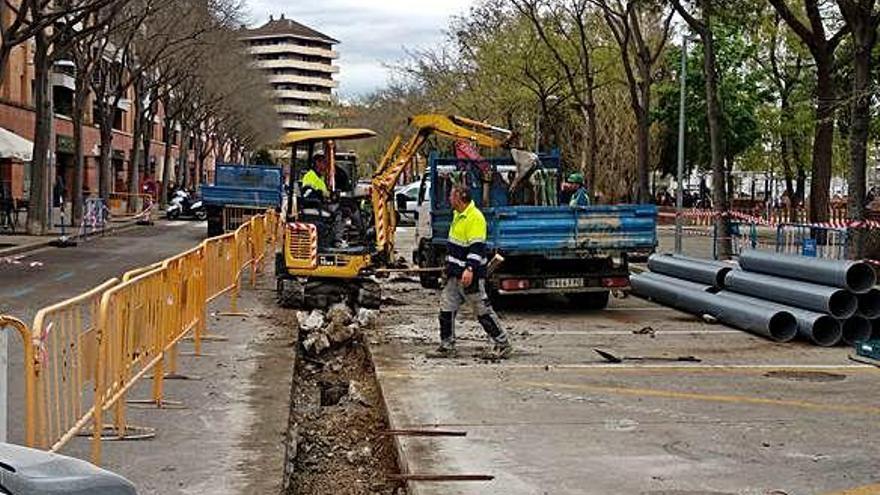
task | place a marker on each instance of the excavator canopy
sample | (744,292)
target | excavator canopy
(295,137)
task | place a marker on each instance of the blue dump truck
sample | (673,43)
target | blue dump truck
(240,192)
(548,248)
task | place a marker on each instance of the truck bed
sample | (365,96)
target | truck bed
(240,196)
(555,231)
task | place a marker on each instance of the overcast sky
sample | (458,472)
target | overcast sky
(372,33)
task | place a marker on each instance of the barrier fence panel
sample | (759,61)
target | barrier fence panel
(133,332)
(220,264)
(810,240)
(83,355)
(186,275)
(30,376)
(66,338)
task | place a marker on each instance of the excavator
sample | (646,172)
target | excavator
(334,247)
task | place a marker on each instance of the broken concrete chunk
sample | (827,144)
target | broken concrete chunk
(339,314)
(316,344)
(367,318)
(314,322)
(356,395)
(339,334)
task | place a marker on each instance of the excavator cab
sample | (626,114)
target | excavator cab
(328,236)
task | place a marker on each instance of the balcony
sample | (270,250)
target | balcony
(300,125)
(296,64)
(293,48)
(297,109)
(311,81)
(301,95)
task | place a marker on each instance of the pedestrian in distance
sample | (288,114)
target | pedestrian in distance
(580,197)
(466,264)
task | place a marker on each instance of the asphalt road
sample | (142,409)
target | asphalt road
(51,275)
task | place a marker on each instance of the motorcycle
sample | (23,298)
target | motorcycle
(182,205)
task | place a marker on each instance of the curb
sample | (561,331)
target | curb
(33,246)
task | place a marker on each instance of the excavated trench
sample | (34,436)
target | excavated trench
(335,438)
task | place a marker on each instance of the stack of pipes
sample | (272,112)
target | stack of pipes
(774,295)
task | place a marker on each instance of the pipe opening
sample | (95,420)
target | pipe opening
(856,329)
(722,274)
(860,277)
(826,331)
(869,304)
(842,304)
(783,327)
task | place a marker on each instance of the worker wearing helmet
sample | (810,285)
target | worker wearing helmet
(466,273)
(580,197)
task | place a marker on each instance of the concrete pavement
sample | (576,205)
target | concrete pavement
(754,417)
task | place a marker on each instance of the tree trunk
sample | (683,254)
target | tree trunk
(167,165)
(864,37)
(823,142)
(643,135)
(39,203)
(107,180)
(80,98)
(134,157)
(183,158)
(592,136)
(723,247)
(785,147)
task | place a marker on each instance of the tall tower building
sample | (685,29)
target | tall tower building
(298,62)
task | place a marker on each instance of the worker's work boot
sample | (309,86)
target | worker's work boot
(503,351)
(445,351)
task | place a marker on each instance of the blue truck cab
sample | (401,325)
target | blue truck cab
(240,192)
(548,248)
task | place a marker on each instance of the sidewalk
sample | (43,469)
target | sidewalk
(230,437)
(752,417)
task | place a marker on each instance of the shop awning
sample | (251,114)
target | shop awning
(13,146)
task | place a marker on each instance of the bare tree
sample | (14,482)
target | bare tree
(570,21)
(814,34)
(641,29)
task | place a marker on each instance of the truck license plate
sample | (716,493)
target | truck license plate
(564,283)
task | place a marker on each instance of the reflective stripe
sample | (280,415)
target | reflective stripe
(477,257)
(455,261)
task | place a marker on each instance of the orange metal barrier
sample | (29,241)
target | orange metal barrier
(65,337)
(30,375)
(83,355)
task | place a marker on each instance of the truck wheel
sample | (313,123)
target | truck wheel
(201,215)
(590,300)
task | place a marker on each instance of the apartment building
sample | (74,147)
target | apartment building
(298,62)
(17,119)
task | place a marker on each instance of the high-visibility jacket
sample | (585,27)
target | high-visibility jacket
(466,246)
(313,180)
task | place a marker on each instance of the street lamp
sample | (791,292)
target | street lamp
(679,193)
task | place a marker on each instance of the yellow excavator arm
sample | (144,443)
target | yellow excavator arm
(398,156)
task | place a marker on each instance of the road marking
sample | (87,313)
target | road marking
(64,276)
(401,372)
(731,399)
(176,223)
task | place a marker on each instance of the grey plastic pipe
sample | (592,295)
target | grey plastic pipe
(869,304)
(857,329)
(818,328)
(855,276)
(780,326)
(839,303)
(692,269)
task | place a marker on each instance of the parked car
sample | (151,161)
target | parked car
(25,471)
(408,199)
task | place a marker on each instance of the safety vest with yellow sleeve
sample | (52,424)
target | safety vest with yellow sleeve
(313,180)
(466,246)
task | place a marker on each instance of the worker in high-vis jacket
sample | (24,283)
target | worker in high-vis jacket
(466,277)
(313,183)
